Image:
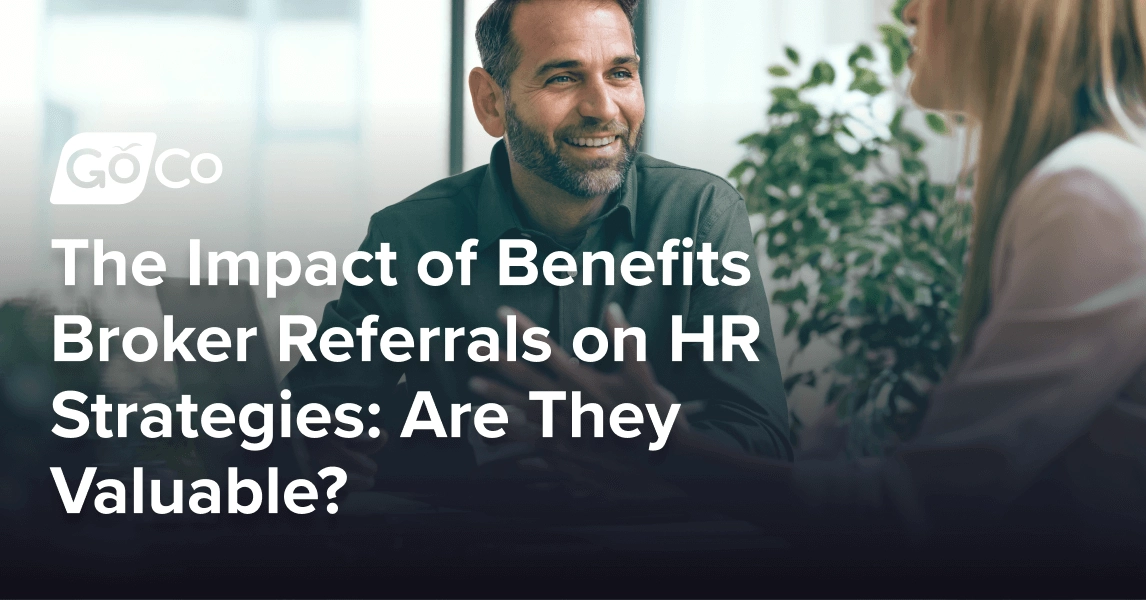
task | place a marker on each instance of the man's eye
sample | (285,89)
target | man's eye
(623,74)
(560,79)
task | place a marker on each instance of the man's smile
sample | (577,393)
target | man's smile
(591,142)
(594,147)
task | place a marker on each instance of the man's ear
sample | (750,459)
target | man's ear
(489,102)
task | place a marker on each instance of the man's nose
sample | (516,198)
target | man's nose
(597,101)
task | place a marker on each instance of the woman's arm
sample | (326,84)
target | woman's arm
(1065,333)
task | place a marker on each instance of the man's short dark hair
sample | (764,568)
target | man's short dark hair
(500,54)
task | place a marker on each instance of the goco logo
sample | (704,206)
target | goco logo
(111,168)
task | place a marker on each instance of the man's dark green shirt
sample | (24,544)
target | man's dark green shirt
(743,400)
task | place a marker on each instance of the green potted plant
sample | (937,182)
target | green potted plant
(867,250)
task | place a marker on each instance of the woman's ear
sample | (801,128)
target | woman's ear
(489,102)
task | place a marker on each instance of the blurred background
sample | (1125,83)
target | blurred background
(325,111)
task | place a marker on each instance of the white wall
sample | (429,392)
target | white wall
(476,141)
(708,59)
(21,120)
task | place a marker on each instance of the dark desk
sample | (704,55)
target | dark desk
(398,545)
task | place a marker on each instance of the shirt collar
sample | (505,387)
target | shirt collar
(495,203)
(495,212)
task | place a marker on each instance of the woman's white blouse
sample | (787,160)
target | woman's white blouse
(1057,372)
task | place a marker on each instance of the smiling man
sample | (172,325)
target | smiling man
(560,86)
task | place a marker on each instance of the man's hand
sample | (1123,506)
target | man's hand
(611,469)
(353,456)
(634,382)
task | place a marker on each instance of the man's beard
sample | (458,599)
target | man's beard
(531,149)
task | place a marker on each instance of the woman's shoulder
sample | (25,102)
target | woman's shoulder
(1078,217)
(1093,172)
(1096,166)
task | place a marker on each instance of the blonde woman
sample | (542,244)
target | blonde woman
(1050,386)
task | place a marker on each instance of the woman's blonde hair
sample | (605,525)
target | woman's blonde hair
(1034,73)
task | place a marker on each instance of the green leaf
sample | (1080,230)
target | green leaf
(791,322)
(891,259)
(805,378)
(937,124)
(740,169)
(779,71)
(895,125)
(898,46)
(912,166)
(792,54)
(914,142)
(784,95)
(804,335)
(897,9)
(898,57)
(862,52)
(849,365)
(871,293)
(756,140)
(822,73)
(791,296)
(867,82)
(906,290)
